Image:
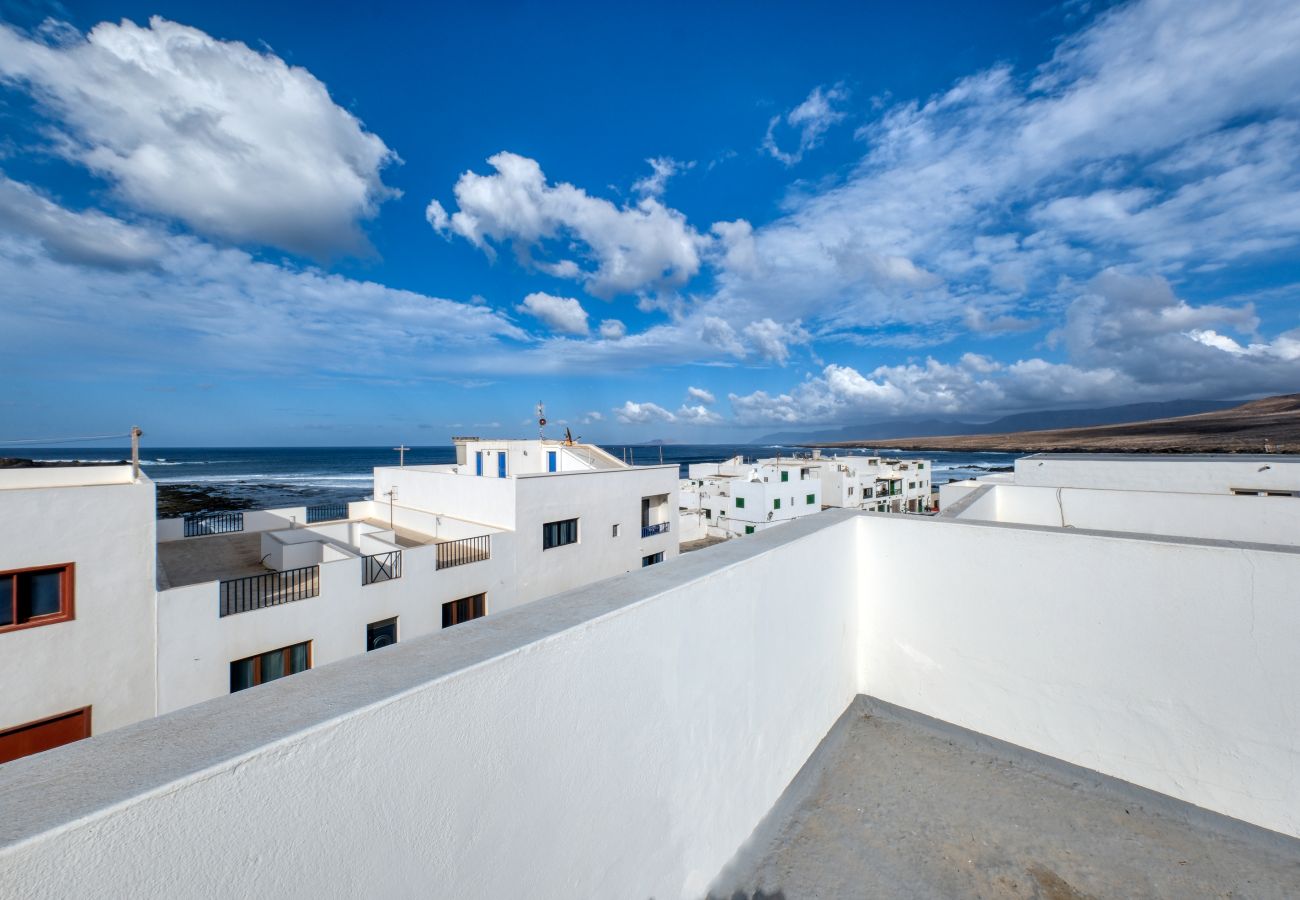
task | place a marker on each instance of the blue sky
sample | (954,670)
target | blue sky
(265,224)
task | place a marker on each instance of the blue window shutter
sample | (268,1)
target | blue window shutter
(550,460)
(478,462)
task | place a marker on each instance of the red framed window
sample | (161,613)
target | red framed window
(36,596)
(44,734)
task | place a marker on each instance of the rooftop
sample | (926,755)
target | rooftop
(896,805)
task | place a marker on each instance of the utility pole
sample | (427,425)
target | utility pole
(401,455)
(136,434)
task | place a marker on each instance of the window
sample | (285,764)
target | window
(31,597)
(501,464)
(557,534)
(749,529)
(708,513)
(785,476)
(850,490)
(652,559)
(614,531)
(255,670)
(776,504)
(44,734)
(740,503)
(463,610)
(812,499)
(381,634)
(920,466)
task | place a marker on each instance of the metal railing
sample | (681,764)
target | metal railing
(272,589)
(465,550)
(381,567)
(326,512)
(647,530)
(197,524)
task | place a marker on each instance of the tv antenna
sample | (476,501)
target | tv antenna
(401,455)
(541,420)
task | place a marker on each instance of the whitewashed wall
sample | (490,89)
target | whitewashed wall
(1170,665)
(1273,520)
(104,658)
(196,645)
(1190,474)
(434,488)
(627,751)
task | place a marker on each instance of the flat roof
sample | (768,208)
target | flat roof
(894,804)
(1173,457)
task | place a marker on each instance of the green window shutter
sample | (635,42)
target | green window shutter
(810,499)
(776,504)
(785,476)
(749,529)
(740,503)
(920,466)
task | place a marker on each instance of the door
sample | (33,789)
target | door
(550,460)
(501,464)
(44,734)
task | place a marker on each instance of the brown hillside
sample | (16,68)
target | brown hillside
(1271,424)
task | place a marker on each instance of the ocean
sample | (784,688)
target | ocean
(266,477)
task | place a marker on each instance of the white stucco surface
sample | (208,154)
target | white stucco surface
(105,657)
(1168,664)
(1217,474)
(621,740)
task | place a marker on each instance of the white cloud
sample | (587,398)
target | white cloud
(641,247)
(612,329)
(812,118)
(632,413)
(88,238)
(772,339)
(697,415)
(591,418)
(700,394)
(662,168)
(233,142)
(563,314)
(199,308)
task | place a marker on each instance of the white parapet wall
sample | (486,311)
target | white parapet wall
(1169,663)
(621,740)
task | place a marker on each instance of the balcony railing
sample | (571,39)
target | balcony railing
(272,589)
(381,567)
(465,550)
(197,524)
(648,530)
(326,512)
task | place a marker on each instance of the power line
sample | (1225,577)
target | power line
(71,440)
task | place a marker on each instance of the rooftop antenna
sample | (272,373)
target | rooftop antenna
(541,420)
(136,434)
(401,455)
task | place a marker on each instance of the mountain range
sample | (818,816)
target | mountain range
(893,429)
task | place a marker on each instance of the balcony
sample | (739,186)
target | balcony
(380,567)
(200,524)
(240,595)
(464,551)
(652,530)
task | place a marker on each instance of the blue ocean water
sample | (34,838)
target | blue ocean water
(291,476)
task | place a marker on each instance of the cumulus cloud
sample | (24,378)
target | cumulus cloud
(612,329)
(700,394)
(645,246)
(811,119)
(563,314)
(233,142)
(662,168)
(632,413)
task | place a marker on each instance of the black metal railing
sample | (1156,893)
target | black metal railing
(381,567)
(647,530)
(197,524)
(465,550)
(326,512)
(260,591)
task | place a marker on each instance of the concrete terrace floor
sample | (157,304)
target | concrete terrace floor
(209,558)
(895,805)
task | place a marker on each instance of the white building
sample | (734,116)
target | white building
(243,598)
(735,497)
(639,736)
